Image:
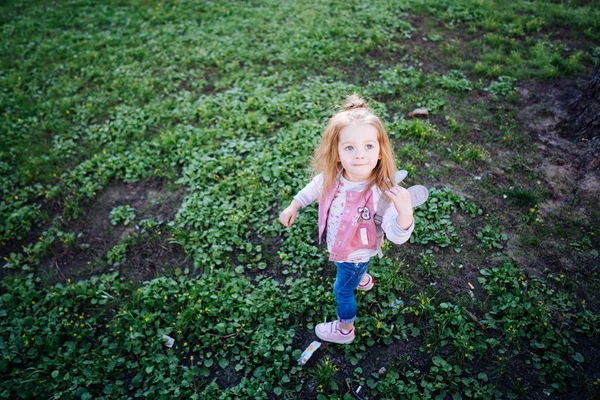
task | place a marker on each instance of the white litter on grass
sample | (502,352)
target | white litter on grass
(505,196)
(358,389)
(432,283)
(169,341)
(477,178)
(396,303)
(307,354)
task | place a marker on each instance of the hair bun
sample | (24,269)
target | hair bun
(353,102)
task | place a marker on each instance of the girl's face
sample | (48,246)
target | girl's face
(358,151)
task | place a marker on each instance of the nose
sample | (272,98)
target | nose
(359,155)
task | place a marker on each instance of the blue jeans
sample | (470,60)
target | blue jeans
(346,281)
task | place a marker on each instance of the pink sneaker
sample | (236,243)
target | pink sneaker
(368,285)
(332,332)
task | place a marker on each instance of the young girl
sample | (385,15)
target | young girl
(355,186)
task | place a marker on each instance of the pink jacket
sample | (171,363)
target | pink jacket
(359,227)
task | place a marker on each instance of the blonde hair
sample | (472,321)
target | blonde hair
(326,158)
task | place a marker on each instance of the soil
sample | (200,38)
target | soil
(149,254)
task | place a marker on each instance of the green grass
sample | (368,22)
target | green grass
(225,102)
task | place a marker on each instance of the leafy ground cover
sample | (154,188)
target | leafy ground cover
(148,147)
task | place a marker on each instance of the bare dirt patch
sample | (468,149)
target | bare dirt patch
(95,236)
(567,163)
(568,171)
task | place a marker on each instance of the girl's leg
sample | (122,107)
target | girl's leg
(347,279)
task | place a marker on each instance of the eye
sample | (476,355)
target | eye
(370,146)
(349,148)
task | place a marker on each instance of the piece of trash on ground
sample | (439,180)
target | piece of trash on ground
(475,319)
(397,303)
(470,285)
(358,389)
(471,294)
(382,370)
(307,354)
(419,112)
(169,341)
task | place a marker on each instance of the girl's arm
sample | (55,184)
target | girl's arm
(311,192)
(304,198)
(398,222)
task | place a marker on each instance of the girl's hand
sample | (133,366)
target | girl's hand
(288,215)
(402,203)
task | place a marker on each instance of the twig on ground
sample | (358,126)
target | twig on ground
(225,336)
(63,275)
